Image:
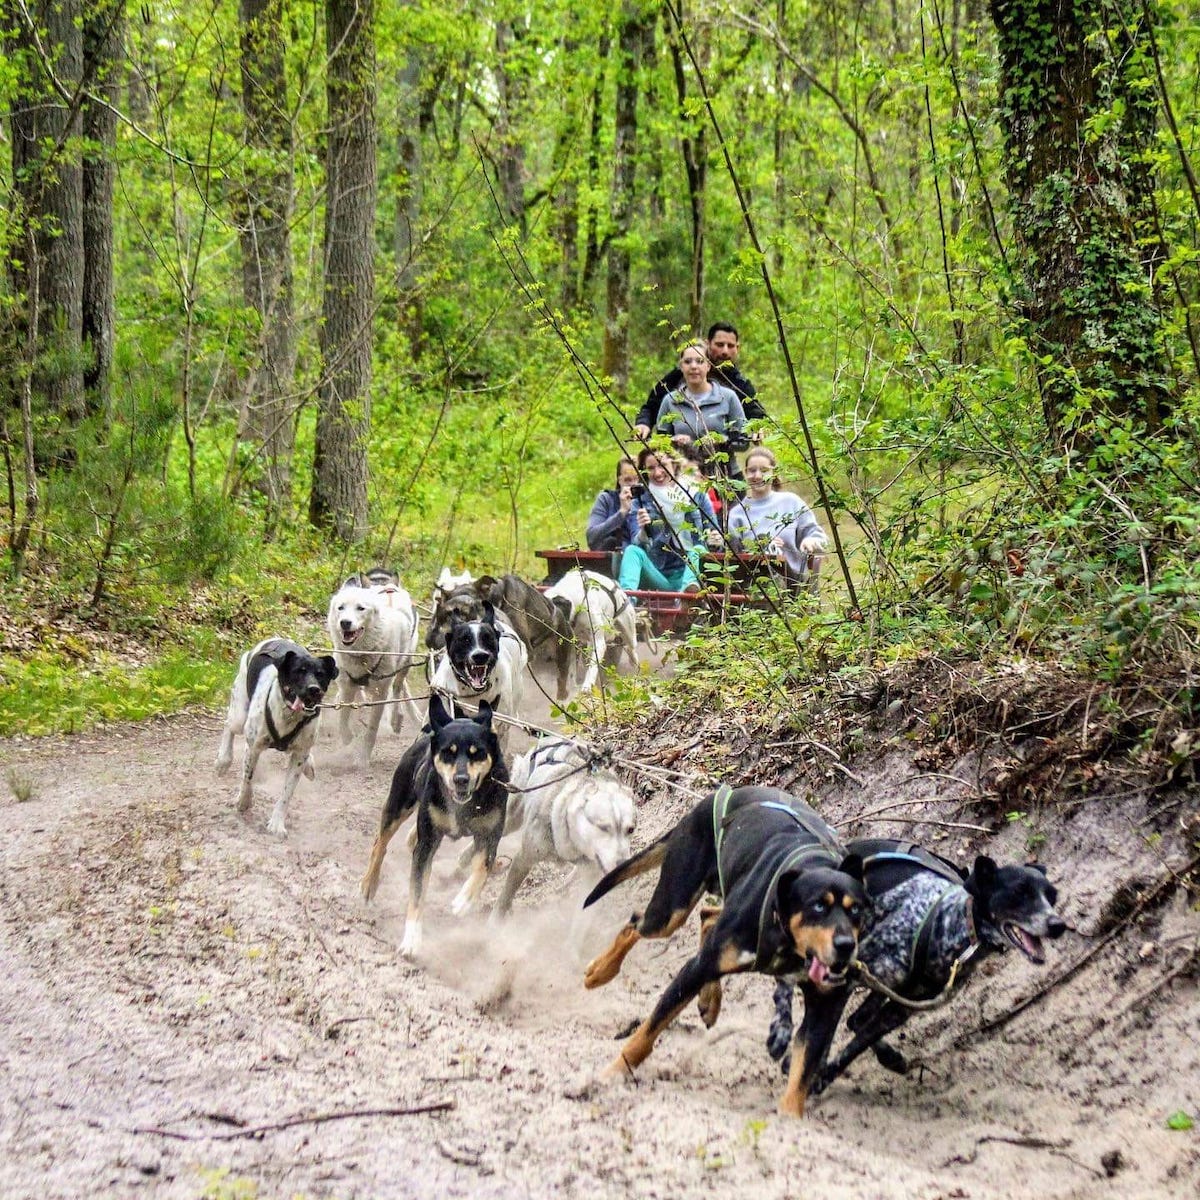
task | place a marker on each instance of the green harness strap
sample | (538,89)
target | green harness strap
(820,846)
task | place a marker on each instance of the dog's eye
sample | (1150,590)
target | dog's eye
(453,747)
(819,908)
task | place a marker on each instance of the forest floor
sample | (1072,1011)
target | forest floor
(190,1007)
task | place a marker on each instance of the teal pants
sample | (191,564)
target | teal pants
(638,573)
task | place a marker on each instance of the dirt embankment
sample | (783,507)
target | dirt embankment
(190,1007)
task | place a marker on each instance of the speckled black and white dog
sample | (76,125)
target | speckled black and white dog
(925,917)
(274,704)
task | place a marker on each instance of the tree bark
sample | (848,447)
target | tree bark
(338,501)
(615,362)
(103,26)
(1080,108)
(269,417)
(409,193)
(48,179)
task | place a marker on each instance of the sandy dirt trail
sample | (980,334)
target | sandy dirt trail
(190,1007)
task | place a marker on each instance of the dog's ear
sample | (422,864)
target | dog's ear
(287,660)
(984,872)
(484,717)
(782,888)
(483,586)
(439,718)
(489,612)
(329,670)
(852,865)
(563,605)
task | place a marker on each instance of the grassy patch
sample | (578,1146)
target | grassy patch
(46,693)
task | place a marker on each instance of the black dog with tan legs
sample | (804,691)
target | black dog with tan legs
(455,778)
(793,905)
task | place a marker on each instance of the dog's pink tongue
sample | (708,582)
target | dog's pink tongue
(818,972)
(296,705)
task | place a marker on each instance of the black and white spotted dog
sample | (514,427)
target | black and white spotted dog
(928,926)
(274,703)
(483,663)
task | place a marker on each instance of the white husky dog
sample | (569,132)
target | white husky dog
(599,611)
(373,627)
(568,808)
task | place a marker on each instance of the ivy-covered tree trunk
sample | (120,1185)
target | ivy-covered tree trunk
(615,362)
(1078,108)
(339,493)
(269,417)
(103,24)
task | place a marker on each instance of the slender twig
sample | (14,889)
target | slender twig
(353,1114)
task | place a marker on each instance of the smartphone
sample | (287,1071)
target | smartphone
(637,491)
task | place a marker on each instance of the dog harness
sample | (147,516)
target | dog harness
(284,741)
(918,959)
(820,847)
(611,593)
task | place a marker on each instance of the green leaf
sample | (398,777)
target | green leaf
(1180,1121)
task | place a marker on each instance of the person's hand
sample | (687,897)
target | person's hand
(680,440)
(714,539)
(626,499)
(813,544)
(644,518)
(641,432)
(775,547)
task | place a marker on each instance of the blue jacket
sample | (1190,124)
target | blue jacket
(606,527)
(657,540)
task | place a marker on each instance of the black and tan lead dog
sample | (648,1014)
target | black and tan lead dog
(793,905)
(454,776)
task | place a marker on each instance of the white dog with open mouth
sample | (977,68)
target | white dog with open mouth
(568,808)
(599,612)
(373,627)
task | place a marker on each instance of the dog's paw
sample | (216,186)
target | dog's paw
(463,902)
(779,1039)
(709,1003)
(410,946)
(598,972)
(276,826)
(222,764)
(308,770)
(397,718)
(244,800)
(890,1059)
(617,1072)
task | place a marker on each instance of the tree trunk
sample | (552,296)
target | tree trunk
(591,254)
(102,30)
(1080,108)
(510,89)
(615,362)
(693,143)
(409,194)
(48,179)
(269,417)
(339,493)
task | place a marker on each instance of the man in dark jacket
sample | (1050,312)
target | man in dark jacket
(722,353)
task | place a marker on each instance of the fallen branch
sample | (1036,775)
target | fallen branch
(320,1119)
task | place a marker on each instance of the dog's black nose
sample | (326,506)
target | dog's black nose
(843,946)
(346,626)
(479,657)
(312,694)
(1055,927)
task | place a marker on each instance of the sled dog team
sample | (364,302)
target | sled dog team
(796,903)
